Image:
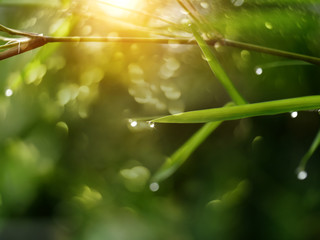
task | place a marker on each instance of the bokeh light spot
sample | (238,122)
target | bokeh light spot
(259,71)
(302,175)
(154,187)
(294,114)
(8,92)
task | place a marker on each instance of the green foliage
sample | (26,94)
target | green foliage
(315,144)
(76,163)
(183,153)
(244,111)
(218,70)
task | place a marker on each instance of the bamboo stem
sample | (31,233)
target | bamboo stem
(185,41)
(271,51)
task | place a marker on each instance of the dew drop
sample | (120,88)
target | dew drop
(154,186)
(138,126)
(133,123)
(259,71)
(302,175)
(294,114)
(8,92)
(151,124)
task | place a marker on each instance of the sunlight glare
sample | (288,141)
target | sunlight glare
(111,6)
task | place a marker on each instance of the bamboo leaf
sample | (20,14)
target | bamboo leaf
(244,111)
(315,144)
(182,154)
(218,70)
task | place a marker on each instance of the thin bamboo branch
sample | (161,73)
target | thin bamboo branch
(187,41)
(271,51)
(10,44)
(315,144)
(21,47)
(16,32)
(35,40)
(122,40)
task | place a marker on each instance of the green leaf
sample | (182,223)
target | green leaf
(218,70)
(315,144)
(181,155)
(244,111)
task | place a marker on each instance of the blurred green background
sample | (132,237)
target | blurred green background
(73,166)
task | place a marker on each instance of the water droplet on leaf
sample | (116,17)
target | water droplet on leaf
(259,71)
(133,123)
(302,175)
(294,114)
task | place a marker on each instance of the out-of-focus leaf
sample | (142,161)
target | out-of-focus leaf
(244,111)
(315,144)
(274,22)
(63,28)
(284,64)
(181,155)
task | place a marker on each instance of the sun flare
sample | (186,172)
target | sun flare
(116,7)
